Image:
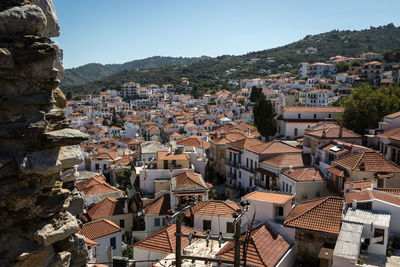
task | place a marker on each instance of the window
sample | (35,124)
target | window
(315,116)
(379,233)
(283,186)
(104,166)
(156,221)
(173,162)
(295,132)
(278,211)
(247,162)
(290,189)
(229,227)
(97,166)
(251,164)
(122,223)
(163,221)
(206,225)
(287,187)
(113,243)
(240,174)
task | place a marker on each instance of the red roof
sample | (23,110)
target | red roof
(265,248)
(160,206)
(214,208)
(164,240)
(97,229)
(107,207)
(324,215)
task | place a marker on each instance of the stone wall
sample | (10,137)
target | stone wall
(309,244)
(38,152)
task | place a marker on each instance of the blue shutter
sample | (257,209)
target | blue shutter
(113,243)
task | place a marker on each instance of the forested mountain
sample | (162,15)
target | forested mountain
(95,71)
(211,73)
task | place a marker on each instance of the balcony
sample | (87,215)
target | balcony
(233,163)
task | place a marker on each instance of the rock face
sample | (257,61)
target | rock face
(39,154)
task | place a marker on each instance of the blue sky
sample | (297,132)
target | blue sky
(116,31)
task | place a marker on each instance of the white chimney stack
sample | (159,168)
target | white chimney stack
(290,169)
(353,204)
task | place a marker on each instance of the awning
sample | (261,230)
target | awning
(386,175)
(233,151)
(335,171)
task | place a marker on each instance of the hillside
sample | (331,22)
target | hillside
(94,71)
(210,73)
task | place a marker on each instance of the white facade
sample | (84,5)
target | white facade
(102,252)
(218,223)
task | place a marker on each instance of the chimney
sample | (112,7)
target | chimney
(323,134)
(314,176)
(353,204)
(290,169)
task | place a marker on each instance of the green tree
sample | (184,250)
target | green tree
(255,93)
(264,117)
(342,67)
(106,122)
(392,56)
(367,106)
(128,252)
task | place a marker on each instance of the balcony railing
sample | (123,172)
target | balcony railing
(233,163)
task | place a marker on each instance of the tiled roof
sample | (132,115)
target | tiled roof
(99,179)
(359,185)
(304,174)
(188,179)
(266,248)
(324,215)
(392,134)
(393,115)
(368,195)
(393,191)
(367,161)
(313,109)
(99,228)
(193,141)
(214,208)
(269,197)
(163,155)
(330,130)
(107,207)
(164,240)
(160,206)
(288,159)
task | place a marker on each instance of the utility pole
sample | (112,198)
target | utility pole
(178,248)
(237,215)
(237,239)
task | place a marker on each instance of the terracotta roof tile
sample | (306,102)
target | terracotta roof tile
(368,195)
(288,159)
(367,161)
(188,179)
(107,207)
(214,208)
(164,155)
(164,240)
(99,228)
(160,206)
(304,174)
(266,247)
(313,109)
(269,197)
(324,215)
